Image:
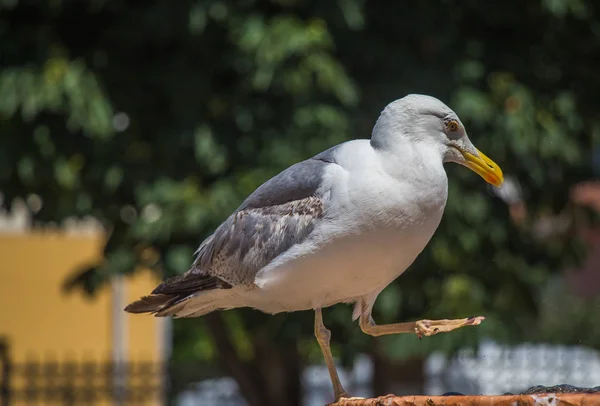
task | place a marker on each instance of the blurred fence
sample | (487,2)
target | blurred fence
(46,382)
(70,382)
(4,374)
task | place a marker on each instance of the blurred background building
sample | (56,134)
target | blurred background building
(57,346)
(130,130)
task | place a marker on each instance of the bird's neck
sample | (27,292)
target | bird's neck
(415,161)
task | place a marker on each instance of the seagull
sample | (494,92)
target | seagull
(335,228)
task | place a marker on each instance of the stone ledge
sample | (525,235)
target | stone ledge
(538,399)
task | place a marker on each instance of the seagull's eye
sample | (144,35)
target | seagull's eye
(452,125)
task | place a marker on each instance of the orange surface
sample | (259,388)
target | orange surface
(551,399)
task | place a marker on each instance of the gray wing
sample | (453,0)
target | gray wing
(279,214)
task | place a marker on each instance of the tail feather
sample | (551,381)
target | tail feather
(198,304)
(171,295)
(173,309)
(182,306)
(152,303)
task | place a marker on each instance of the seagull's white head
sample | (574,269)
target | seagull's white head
(425,120)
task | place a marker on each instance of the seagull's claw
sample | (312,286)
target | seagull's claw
(433,327)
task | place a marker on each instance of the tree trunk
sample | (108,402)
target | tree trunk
(398,377)
(282,370)
(273,377)
(249,379)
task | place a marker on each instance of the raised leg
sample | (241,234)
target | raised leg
(323,336)
(420,328)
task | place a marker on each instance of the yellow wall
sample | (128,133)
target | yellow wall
(39,319)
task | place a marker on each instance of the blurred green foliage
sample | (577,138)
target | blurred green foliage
(158,118)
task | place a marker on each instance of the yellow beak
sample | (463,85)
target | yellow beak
(484,167)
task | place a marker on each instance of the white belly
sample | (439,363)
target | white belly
(340,271)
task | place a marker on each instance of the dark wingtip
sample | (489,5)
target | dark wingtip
(148,304)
